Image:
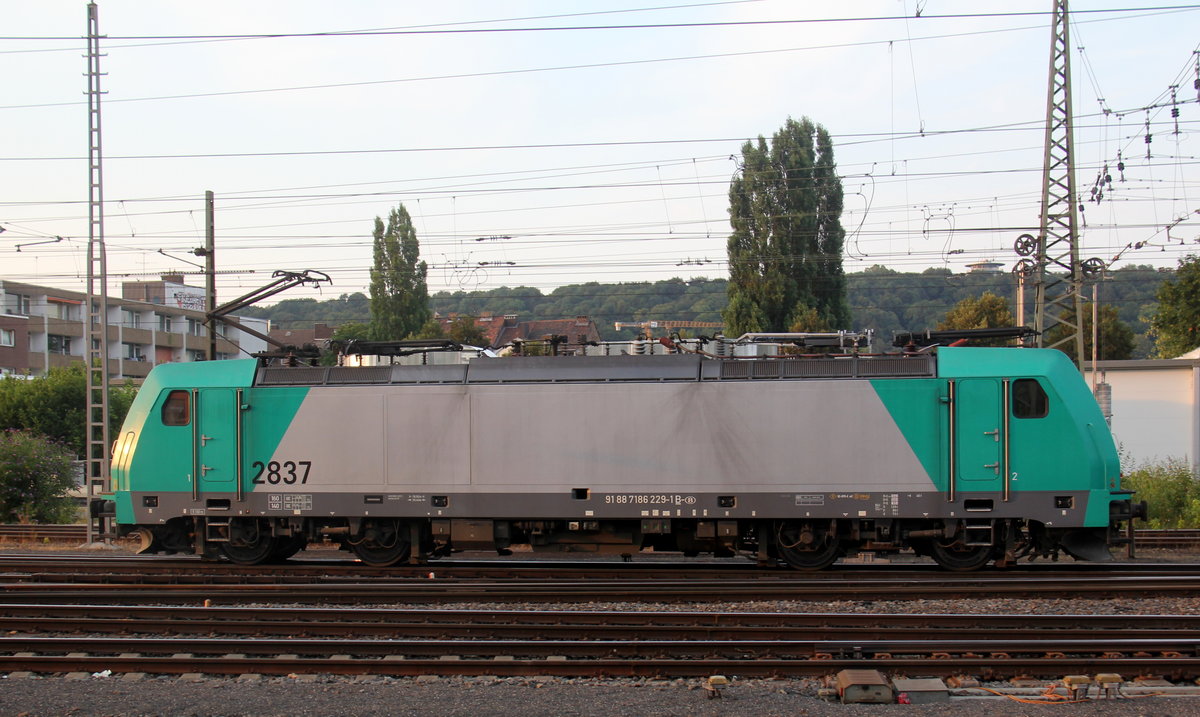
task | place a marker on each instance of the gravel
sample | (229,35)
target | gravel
(493,696)
(532,696)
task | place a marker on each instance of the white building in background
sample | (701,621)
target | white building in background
(1155,407)
(152,322)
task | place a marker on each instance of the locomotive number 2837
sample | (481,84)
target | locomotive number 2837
(276,472)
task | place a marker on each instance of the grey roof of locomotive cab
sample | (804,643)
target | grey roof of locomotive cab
(599,369)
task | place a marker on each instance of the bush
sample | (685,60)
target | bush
(1171,490)
(55,405)
(35,475)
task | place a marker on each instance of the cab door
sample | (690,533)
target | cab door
(215,439)
(979,434)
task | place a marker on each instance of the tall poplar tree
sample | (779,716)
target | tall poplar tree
(399,292)
(785,252)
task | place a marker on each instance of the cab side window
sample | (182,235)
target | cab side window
(1029,399)
(176,410)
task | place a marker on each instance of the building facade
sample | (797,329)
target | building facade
(43,327)
(1155,408)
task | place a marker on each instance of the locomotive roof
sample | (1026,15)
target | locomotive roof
(591,369)
(957,362)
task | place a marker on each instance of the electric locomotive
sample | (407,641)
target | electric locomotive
(968,455)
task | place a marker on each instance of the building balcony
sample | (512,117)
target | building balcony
(135,369)
(137,336)
(167,340)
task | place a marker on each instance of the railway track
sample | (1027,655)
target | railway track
(425,623)
(1182,539)
(850,587)
(181,581)
(590,643)
(190,569)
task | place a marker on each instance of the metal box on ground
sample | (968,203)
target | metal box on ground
(922,691)
(868,686)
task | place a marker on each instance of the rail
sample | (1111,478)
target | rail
(662,644)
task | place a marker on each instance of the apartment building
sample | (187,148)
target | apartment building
(153,322)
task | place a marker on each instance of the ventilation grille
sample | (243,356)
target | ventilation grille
(359,374)
(626,369)
(298,376)
(848,367)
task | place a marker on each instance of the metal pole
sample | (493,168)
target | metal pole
(1020,298)
(95,313)
(210,272)
(1058,275)
(1095,332)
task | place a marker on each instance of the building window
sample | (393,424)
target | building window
(130,319)
(17,304)
(60,310)
(195,355)
(164,322)
(133,352)
(8,337)
(56,344)
(196,328)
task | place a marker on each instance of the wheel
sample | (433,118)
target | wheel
(250,542)
(287,547)
(805,545)
(250,553)
(383,543)
(960,558)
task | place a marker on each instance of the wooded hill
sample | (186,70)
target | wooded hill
(881,299)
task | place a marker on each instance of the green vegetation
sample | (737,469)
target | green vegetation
(1171,490)
(1176,324)
(785,251)
(1116,338)
(987,311)
(55,406)
(35,475)
(399,294)
(880,298)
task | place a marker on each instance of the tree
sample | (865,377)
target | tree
(808,321)
(465,331)
(352,331)
(1176,325)
(431,329)
(785,251)
(986,311)
(55,406)
(35,475)
(399,293)
(1116,338)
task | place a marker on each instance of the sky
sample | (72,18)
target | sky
(542,142)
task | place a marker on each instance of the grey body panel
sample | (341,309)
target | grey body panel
(743,436)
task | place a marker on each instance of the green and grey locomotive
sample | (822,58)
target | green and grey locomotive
(968,455)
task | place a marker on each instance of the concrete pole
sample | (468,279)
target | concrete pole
(210,272)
